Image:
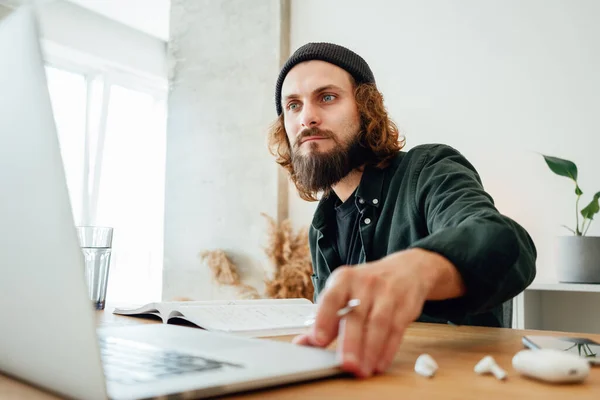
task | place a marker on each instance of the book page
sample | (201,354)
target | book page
(166,308)
(175,305)
(150,308)
(257,318)
(161,309)
(237,302)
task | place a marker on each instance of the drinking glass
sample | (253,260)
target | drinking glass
(96,244)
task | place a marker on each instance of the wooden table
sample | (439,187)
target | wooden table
(456,350)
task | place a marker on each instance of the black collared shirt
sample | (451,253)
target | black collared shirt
(347,239)
(432,198)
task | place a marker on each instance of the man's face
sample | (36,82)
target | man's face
(322,123)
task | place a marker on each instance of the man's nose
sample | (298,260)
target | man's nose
(310,117)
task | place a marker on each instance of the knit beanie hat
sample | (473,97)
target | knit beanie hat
(344,58)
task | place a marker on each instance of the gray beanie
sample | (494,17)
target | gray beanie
(344,58)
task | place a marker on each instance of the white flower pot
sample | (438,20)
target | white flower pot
(578,259)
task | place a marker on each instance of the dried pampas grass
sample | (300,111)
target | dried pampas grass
(225,272)
(290,257)
(289,254)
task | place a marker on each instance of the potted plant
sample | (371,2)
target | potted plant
(578,255)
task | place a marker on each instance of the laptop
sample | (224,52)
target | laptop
(49,336)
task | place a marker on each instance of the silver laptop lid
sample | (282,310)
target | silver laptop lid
(48,327)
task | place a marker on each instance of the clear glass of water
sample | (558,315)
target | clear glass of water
(96,244)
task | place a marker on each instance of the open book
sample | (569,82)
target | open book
(262,317)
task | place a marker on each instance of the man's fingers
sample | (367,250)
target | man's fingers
(378,327)
(334,297)
(303,340)
(365,288)
(389,351)
(408,311)
(351,338)
(397,329)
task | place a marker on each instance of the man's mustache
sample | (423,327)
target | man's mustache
(310,132)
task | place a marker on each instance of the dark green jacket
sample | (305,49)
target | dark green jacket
(432,198)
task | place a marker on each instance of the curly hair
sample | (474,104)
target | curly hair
(379,135)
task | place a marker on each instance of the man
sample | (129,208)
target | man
(412,235)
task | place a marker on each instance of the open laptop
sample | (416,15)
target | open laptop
(48,336)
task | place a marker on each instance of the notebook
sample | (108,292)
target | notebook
(251,318)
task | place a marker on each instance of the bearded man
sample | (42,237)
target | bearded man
(412,235)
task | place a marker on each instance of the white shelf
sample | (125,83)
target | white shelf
(549,305)
(564,287)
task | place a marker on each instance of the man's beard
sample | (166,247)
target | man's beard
(318,171)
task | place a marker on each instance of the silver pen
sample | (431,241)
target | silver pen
(352,304)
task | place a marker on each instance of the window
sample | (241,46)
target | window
(113,143)
(68,94)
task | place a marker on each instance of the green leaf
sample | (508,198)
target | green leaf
(562,167)
(592,208)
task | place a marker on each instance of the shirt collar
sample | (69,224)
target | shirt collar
(370,189)
(369,193)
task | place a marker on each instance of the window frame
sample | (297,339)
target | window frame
(91,67)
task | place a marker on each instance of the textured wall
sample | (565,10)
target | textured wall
(224,60)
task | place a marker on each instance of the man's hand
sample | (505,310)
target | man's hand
(392,292)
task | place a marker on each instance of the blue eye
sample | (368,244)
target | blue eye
(328,97)
(292,106)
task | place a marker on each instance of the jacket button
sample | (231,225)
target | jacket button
(375,201)
(361,201)
(367,221)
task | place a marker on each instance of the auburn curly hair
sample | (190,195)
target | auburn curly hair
(378,134)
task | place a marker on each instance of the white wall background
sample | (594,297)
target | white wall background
(500,80)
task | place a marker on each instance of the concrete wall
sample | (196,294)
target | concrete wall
(224,58)
(500,80)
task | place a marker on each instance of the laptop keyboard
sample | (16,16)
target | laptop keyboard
(129,362)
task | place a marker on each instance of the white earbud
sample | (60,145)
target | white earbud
(426,365)
(488,365)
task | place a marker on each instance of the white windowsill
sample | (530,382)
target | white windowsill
(564,287)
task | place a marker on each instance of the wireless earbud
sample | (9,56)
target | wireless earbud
(488,365)
(426,365)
